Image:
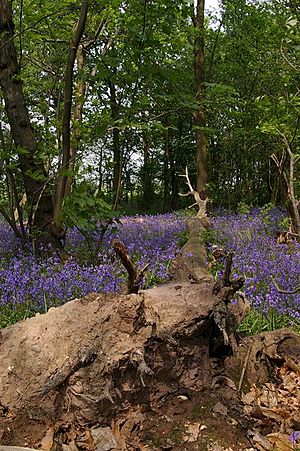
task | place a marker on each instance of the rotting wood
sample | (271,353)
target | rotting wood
(143,369)
(190,263)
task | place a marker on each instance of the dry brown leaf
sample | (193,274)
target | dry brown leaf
(280,441)
(47,441)
(192,431)
(276,412)
(269,397)
(223,380)
(261,441)
(250,397)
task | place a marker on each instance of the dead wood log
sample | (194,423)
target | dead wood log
(190,264)
(267,351)
(84,358)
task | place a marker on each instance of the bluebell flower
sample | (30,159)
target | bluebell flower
(294,437)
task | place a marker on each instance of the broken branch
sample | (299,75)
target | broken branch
(135,276)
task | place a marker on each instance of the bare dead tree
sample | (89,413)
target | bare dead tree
(200,202)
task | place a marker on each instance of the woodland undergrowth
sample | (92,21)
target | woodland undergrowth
(31,284)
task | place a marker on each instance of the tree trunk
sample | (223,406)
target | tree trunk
(77,118)
(199,114)
(175,160)
(166,204)
(117,154)
(39,198)
(68,94)
(147,176)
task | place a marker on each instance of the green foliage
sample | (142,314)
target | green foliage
(251,92)
(85,210)
(209,237)
(243,208)
(36,175)
(266,211)
(285,224)
(10,314)
(256,322)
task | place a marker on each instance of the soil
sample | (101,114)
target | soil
(146,371)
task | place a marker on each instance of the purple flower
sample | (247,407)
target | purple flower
(42,283)
(294,437)
(261,260)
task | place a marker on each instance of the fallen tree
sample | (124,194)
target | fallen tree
(97,372)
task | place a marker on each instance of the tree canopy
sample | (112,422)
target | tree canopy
(121,97)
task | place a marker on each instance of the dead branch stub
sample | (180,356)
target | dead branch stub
(135,276)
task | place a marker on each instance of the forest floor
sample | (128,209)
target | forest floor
(195,422)
(71,380)
(150,371)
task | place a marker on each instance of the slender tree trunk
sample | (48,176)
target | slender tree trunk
(295,203)
(166,171)
(68,95)
(199,114)
(174,165)
(117,154)
(77,117)
(288,178)
(147,177)
(100,171)
(39,198)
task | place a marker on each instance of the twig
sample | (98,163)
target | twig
(295,291)
(244,368)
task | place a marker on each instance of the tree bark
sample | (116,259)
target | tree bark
(117,154)
(68,94)
(166,170)
(199,114)
(39,198)
(77,118)
(147,176)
